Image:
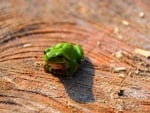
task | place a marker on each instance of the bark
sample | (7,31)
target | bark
(113,77)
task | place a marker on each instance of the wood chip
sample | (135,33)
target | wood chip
(142,52)
(137,72)
(141,14)
(26,45)
(98,43)
(117,30)
(119,69)
(121,75)
(119,54)
(120,36)
(124,22)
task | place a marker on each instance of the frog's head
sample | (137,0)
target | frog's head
(53,56)
(46,51)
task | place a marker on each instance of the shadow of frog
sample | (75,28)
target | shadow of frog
(79,86)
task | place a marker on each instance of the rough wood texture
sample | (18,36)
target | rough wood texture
(112,79)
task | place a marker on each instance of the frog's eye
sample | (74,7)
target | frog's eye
(47,50)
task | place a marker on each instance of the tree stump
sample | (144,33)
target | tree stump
(113,78)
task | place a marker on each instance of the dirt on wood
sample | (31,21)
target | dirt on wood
(114,78)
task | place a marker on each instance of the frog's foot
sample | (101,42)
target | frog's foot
(47,68)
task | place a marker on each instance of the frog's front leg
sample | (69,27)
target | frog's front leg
(56,64)
(47,68)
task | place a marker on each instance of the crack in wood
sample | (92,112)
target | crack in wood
(10,103)
(18,34)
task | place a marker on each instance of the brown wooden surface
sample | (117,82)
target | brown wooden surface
(103,28)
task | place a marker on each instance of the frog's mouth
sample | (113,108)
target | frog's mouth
(57,66)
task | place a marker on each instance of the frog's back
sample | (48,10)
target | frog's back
(68,51)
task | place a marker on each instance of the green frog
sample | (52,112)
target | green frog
(63,57)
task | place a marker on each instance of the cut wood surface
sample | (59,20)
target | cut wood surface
(112,79)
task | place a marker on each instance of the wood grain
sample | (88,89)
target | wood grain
(28,27)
